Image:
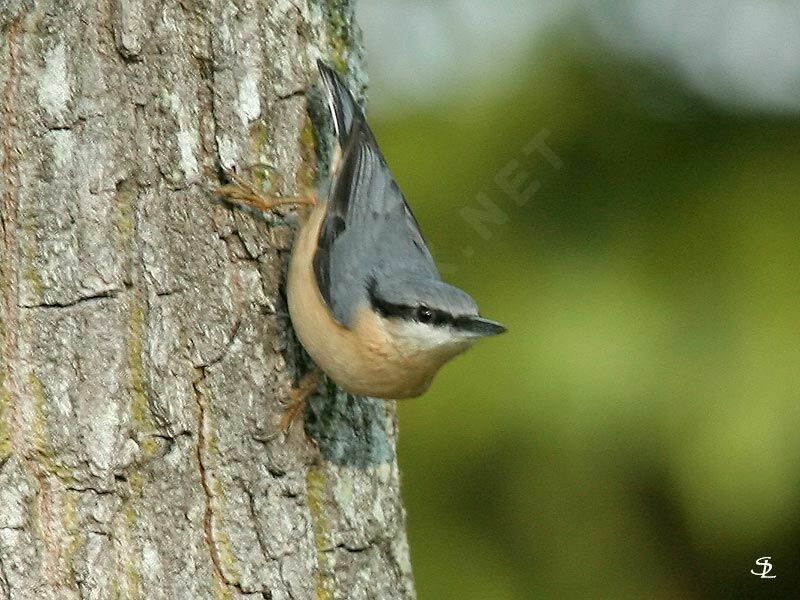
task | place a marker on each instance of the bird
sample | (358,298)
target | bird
(365,297)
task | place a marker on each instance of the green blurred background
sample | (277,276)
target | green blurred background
(635,433)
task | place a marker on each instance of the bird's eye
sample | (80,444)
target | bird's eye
(424,314)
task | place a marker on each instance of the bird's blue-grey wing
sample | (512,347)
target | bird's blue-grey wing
(368,228)
(368,224)
(341,103)
(343,109)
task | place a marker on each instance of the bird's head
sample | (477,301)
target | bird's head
(427,315)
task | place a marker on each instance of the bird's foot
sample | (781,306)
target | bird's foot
(242,191)
(299,396)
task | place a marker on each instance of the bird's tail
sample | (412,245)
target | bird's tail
(340,101)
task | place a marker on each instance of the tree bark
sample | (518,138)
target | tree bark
(146,349)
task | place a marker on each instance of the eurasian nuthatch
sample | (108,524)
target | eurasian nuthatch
(364,294)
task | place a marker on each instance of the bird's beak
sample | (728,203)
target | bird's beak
(480,327)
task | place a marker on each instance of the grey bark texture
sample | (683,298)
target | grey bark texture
(146,348)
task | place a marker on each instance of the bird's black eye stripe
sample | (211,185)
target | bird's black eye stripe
(424,314)
(421,314)
(384,308)
(462,322)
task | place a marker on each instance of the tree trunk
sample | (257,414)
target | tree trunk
(146,348)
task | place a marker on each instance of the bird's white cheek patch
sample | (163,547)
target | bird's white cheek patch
(419,337)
